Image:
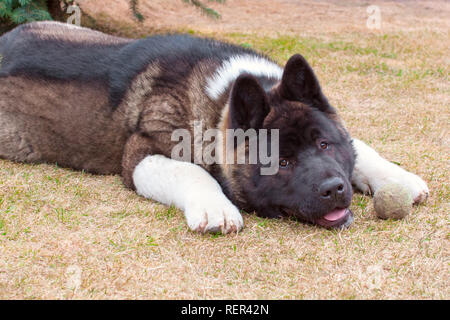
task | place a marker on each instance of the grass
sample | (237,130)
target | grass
(391,89)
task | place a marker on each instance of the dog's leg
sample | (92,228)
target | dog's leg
(185,185)
(190,188)
(15,141)
(372,171)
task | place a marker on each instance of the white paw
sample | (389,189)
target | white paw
(372,171)
(385,172)
(418,187)
(213,213)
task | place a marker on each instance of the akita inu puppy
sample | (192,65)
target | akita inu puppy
(109,105)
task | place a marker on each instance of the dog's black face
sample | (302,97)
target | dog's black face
(316,156)
(316,163)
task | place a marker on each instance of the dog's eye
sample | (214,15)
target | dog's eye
(324,145)
(284,163)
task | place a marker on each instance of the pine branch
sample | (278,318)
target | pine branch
(205,9)
(32,11)
(135,10)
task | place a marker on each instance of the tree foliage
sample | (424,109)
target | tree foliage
(22,11)
(134,9)
(205,9)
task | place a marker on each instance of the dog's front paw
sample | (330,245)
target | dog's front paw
(372,171)
(213,213)
(418,187)
(384,172)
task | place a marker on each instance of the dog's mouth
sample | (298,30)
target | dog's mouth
(338,218)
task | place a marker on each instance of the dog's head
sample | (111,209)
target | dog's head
(316,156)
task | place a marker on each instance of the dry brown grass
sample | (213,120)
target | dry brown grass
(391,88)
(280,16)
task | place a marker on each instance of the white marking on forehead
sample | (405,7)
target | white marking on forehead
(237,65)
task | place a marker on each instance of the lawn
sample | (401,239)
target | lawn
(72,235)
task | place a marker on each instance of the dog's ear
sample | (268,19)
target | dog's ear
(248,104)
(299,83)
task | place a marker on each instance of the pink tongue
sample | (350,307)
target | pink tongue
(335,215)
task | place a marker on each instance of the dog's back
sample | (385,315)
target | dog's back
(57,51)
(73,96)
(53,97)
(51,50)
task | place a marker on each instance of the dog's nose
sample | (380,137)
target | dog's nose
(333,188)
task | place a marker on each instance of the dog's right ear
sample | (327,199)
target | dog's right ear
(248,104)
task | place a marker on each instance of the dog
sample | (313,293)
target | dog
(108,105)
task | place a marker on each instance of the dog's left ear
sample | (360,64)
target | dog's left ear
(299,83)
(248,104)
